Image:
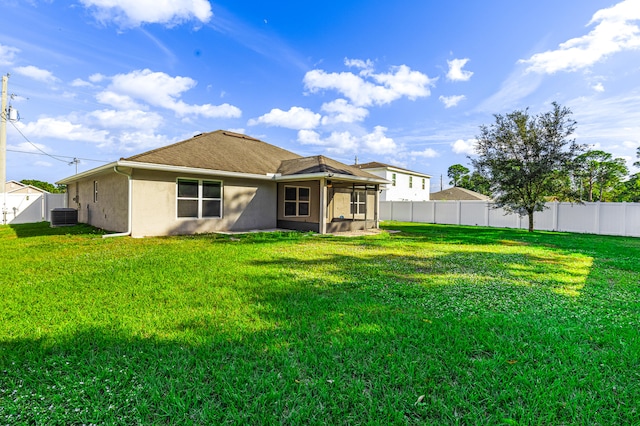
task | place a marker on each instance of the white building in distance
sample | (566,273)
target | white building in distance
(406,185)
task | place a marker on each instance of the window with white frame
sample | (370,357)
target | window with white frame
(95,191)
(198,198)
(358,202)
(393,179)
(296,200)
(410,181)
(423,184)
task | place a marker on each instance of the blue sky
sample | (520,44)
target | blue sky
(407,82)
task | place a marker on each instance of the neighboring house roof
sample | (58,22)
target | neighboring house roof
(226,153)
(19,187)
(457,193)
(377,165)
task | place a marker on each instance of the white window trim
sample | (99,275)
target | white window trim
(95,191)
(297,201)
(359,200)
(199,198)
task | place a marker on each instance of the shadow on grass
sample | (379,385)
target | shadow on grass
(41,229)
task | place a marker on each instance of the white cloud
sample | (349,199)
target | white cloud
(426,153)
(128,119)
(7,54)
(43,164)
(464,147)
(613,33)
(518,85)
(64,129)
(598,87)
(341,111)
(296,118)
(117,101)
(135,13)
(366,66)
(207,110)
(78,82)
(375,142)
(29,147)
(378,143)
(369,88)
(96,78)
(141,140)
(456,73)
(451,101)
(36,73)
(161,90)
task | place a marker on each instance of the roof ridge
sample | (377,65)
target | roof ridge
(238,135)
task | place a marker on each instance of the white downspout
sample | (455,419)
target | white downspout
(129,209)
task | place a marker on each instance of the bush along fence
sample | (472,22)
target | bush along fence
(590,218)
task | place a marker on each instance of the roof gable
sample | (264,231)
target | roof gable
(220,150)
(320,164)
(457,193)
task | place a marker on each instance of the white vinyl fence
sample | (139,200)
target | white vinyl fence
(591,218)
(30,208)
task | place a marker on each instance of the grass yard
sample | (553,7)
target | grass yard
(432,325)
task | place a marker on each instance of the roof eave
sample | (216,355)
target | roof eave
(164,168)
(332,176)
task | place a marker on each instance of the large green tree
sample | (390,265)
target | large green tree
(476,182)
(522,154)
(49,187)
(599,170)
(456,173)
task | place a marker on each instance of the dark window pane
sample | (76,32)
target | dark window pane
(289,209)
(211,208)
(303,194)
(211,190)
(303,209)
(187,208)
(188,188)
(353,208)
(290,193)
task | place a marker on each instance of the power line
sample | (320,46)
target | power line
(55,157)
(59,156)
(34,145)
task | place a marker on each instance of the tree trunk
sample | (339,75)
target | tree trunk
(530,212)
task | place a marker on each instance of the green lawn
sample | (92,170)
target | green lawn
(431,325)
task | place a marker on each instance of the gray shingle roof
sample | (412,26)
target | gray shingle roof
(457,193)
(320,164)
(220,150)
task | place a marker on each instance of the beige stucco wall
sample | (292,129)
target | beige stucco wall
(247,205)
(110,210)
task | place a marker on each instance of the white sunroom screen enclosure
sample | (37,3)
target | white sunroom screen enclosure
(351,203)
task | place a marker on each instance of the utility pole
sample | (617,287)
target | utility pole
(3,147)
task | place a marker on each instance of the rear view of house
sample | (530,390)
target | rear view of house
(224,181)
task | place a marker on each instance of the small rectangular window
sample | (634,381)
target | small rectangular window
(410,181)
(423,184)
(393,179)
(296,200)
(95,191)
(199,198)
